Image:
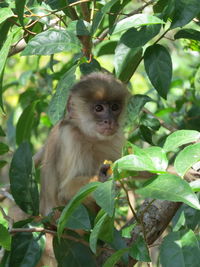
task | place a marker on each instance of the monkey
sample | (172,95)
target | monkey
(89,133)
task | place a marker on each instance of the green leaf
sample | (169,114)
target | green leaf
(58,102)
(188,34)
(3,148)
(92,66)
(139,37)
(22,183)
(96,232)
(180,138)
(180,249)
(5,50)
(107,49)
(73,204)
(5,238)
(50,42)
(158,66)
(135,105)
(152,159)
(79,219)
(185,11)
(100,15)
(5,13)
(2,133)
(170,187)
(139,250)
(111,261)
(25,250)
(126,61)
(72,254)
(20,4)
(195,185)
(80,27)
(186,158)
(105,197)
(25,123)
(135,21)
(2,163)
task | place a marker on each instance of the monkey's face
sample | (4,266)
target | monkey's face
(106,115)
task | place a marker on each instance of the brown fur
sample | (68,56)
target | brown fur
(74,150)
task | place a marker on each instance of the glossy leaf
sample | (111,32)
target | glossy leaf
(139,250)
(111,261)
(107,48)
(25,250)
(170,187)
(188,34)
(105,197)
(195,185)
(135,21)
(72,254)
(100,15)
(158,66)
(5,13)
(180,138)
(58,102)
(25,123)
(186,158)
(23,186)
(126,61)
(152,159)
(135,105)
(20,4)
(5,238)
(3,148)
(50,42)
(185,11)
(176,250)
(79,219)
(73,204)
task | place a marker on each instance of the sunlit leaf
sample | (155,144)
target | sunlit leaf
(180,138)
(170,187)
(5,13)
(5,238)
(186,158)
(50,42)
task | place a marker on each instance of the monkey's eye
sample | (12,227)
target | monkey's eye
(99,108)
(115,107)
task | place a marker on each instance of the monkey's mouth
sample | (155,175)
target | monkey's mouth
(106,131)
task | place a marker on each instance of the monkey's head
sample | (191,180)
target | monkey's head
(96,105)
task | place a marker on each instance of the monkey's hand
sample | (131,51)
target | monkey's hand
(105,171)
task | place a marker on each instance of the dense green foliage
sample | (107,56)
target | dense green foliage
(153,47)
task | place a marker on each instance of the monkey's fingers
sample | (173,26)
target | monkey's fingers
(105,172)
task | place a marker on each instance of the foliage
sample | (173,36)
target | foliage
(61,40)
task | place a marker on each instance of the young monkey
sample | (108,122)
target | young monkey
(90,133)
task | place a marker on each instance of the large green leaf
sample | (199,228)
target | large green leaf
(186,158)
(22,183)
(158,66)
(5,238)
(73,204)
(180,138)
(185,11)
(105,197)
(126,61)
(79,219)
(58,102)
(100,15)
(139,250)
(170,187)
(72,254)
(25,250)
(19,4)
(25,123)
(188,34)
(135,21)
(152,159)
(52,41)
(180,249)
(5,13)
